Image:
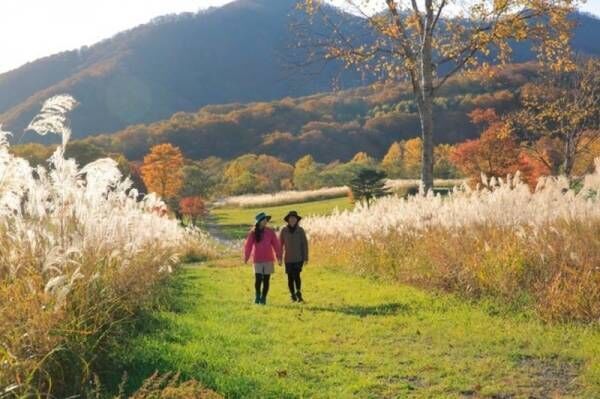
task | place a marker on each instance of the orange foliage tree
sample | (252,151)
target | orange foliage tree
(496,153)
(493,154)
(162,170)
(192,208)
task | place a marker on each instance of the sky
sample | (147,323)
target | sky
(44,27)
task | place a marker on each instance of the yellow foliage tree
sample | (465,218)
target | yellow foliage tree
(306,173)
(412,156)
(426,42)
(590,150)
(253,173)
(563,107)
(362,158)
(162,170)
(444,168)
(393,161)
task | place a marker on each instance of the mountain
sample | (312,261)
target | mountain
(237,53)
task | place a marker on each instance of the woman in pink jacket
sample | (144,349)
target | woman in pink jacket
(261,243)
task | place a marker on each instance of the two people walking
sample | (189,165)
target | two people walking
(264,247)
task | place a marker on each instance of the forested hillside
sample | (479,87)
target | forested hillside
(328,126)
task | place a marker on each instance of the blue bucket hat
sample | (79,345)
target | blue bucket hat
(258,218)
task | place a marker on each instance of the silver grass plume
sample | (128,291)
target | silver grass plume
(53,117)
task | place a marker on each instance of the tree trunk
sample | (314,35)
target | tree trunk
(426,117)
(426,112)
(569,157)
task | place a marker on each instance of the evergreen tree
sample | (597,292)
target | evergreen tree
(368,184)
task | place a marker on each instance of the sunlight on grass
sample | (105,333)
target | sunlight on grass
(357,337)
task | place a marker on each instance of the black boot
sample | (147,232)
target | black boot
(257,299)
(294,297)
(299,296)
(263,300)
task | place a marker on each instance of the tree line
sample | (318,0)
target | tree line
(329,126)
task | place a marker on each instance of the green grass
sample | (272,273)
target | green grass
(357,337)
(234,223)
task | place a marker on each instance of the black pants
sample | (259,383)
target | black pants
(265,281)
(293,271)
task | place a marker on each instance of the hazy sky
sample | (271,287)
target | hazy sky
(31,29)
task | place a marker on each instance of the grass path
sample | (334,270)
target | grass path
(357,338)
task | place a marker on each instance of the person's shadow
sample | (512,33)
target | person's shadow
(384,309)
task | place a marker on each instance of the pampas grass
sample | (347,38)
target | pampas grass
(501,239)
(282,198)
(79,255)
(294,197)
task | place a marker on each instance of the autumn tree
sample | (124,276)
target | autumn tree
(393,161)
(584,164)
(493,154)
(238,176)
(561,108)
(413,161)
(192,208)
(162,170)
(202,178)
(273,173)
(427,41)
(403,160)
(362,158)
(338,174)
(306,173)
(496,153)
(444,167)
(83,152)
(252,173)
(36,154)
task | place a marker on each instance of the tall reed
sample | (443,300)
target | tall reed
(501,239)
(79,255)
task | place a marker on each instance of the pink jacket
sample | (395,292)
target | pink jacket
(263,250)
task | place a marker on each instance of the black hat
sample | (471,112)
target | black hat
(292,213)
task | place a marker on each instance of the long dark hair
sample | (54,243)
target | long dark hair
(258,232)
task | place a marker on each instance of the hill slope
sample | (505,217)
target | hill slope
(329,126)
(178,63)
(235,53)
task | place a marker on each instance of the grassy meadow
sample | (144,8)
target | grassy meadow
(357,337)
(235,222)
